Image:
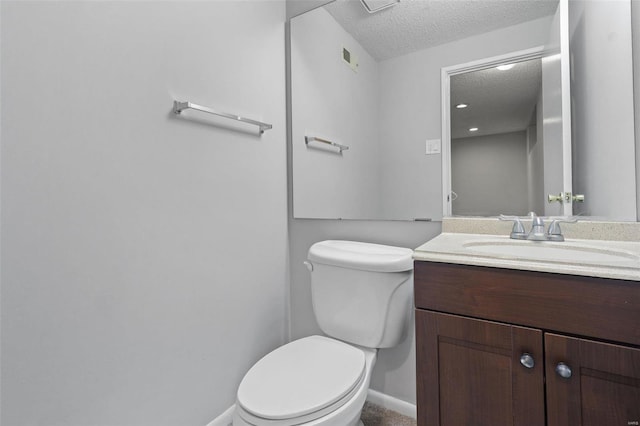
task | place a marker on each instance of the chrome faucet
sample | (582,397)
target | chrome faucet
(537,231)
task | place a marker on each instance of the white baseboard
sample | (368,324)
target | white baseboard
(224,419)
(391,403)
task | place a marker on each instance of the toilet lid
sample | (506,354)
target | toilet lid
(301,377)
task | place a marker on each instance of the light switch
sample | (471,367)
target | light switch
(433,146)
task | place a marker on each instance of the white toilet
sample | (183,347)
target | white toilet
(361,298)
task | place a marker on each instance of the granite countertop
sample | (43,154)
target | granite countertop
(616,258)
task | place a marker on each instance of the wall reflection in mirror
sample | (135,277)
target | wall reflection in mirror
(602,74)
(372,82)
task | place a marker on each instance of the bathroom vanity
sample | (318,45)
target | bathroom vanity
(502,340)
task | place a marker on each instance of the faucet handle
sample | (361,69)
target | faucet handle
(554,233)
(517,232)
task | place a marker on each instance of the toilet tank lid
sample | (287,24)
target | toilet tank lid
(362,256)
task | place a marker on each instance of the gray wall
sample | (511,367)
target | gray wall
(635,28)
(143,255)
(489,174)
(297,7)
(414,80)
(603,114)
(331,101)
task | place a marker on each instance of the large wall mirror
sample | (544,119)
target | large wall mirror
(375,129)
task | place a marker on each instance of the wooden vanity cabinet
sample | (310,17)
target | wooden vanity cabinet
(489,341)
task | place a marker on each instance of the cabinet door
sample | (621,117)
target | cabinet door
(469,372)
(601,384)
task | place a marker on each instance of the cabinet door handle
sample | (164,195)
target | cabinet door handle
(527,360)
(563,370)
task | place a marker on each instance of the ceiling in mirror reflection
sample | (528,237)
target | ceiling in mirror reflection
(497,101)
(414,25)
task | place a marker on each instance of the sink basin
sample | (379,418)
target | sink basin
(549,251)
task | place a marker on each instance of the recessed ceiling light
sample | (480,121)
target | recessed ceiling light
(460,106)
(373,6)
(505,67)
(473,129)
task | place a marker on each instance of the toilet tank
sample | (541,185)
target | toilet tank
(362,292)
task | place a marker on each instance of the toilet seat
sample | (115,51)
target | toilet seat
(301,381)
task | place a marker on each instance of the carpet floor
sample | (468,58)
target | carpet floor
(374,415)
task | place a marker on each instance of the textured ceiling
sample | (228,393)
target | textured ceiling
(413,25)
(499,101)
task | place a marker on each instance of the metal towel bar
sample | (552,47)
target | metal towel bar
(308,139)
(178,107)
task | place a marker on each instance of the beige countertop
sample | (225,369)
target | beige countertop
(576,256)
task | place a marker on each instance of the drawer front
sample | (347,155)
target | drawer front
(595,307)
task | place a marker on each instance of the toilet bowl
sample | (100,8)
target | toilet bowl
(312,381)
(361,296)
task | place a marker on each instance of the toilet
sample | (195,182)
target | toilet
(361,295)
